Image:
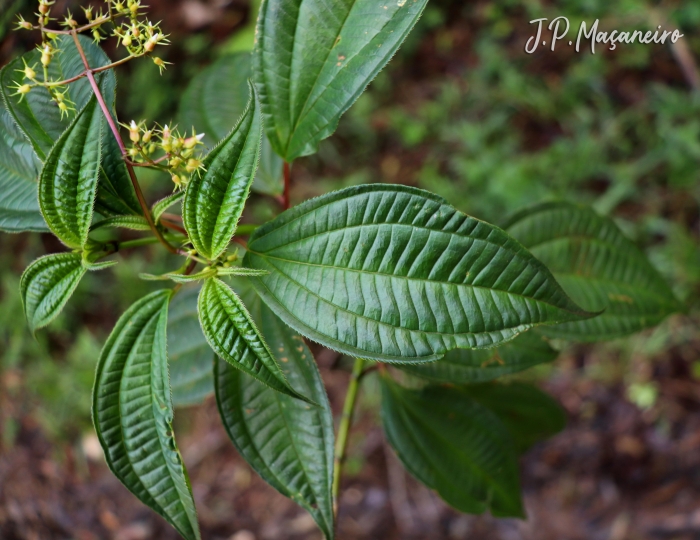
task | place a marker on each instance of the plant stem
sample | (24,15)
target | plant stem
(287,185)
(122,148)
(341,441)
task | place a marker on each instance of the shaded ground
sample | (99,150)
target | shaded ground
(615,473)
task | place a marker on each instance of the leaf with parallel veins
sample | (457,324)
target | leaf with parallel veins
(133,414)
(395,274)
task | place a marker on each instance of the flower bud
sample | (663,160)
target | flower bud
(25,24)
(126,40)
(192,165)
(175,162)
(133,152)
(193,141)
(176,180)
(44,8)
(29,73)
(147,136)
(23,89)
(134,134)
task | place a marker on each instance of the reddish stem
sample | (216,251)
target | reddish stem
(287,185)
(122,148)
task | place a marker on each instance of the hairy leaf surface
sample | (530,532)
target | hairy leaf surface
(189,356)
(464,366)
(215,198)
(47,284)
(19,171)
(202,107)
(232,334)
(313,59)
(598,267)
(288,442)
(133,413)
(392,273)
(68,181)
(37,116)
(455,446)
(529,414)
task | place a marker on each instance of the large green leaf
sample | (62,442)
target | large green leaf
(189,356)
(37,115)
(453,445)
(288,442)
(232,334)
(598,267)
(19,170)
(529,414)
(214,199)
(464,366)
(215,100)
(47,284)
(313,59)
(392,273)
(68,180)
(133,413)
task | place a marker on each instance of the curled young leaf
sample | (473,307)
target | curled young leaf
(396,274)
(47,284)
(454,445)
(68,181)
(288,442)
(232,334)
(467,366)
(215,198)
(598,267)
(133,414)
(162,205)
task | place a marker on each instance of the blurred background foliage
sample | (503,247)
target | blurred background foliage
(461,111)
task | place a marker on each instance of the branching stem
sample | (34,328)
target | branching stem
(122,148)
(341,441)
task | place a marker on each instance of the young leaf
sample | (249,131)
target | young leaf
(189,356)
(135,223)
(19,170)
(465,366)
(598,267)
(133,413)
(392,273)
(47,284)
(162,205)
(202,106)
(455,446)
(313,59)
(529,414)
(68,181)
(215,198)
(232,334)
(37,115)
(288,442)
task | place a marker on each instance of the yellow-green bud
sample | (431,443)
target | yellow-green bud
(192,165)
(126,40)
(25,24)
(24,89)
(134,134)
(147,136)
(133,152)
(62,106)
(193,141)
(29,73)
(44,8)
(175,162)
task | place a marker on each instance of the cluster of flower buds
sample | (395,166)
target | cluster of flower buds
(166,149)
(141,38)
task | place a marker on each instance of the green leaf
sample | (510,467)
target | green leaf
(232,334)
(135,223)
(395,274)
(37,115)
(19,170)
(162,205)
(464,366)
(133,413)
(214,199)
(68,181)
(313,59)
(598,267)
(529,414)
(115,193)
(455,446)
(215,100)
(288,442)
(47,284)
(189,355)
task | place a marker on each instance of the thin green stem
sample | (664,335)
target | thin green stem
(341,441)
